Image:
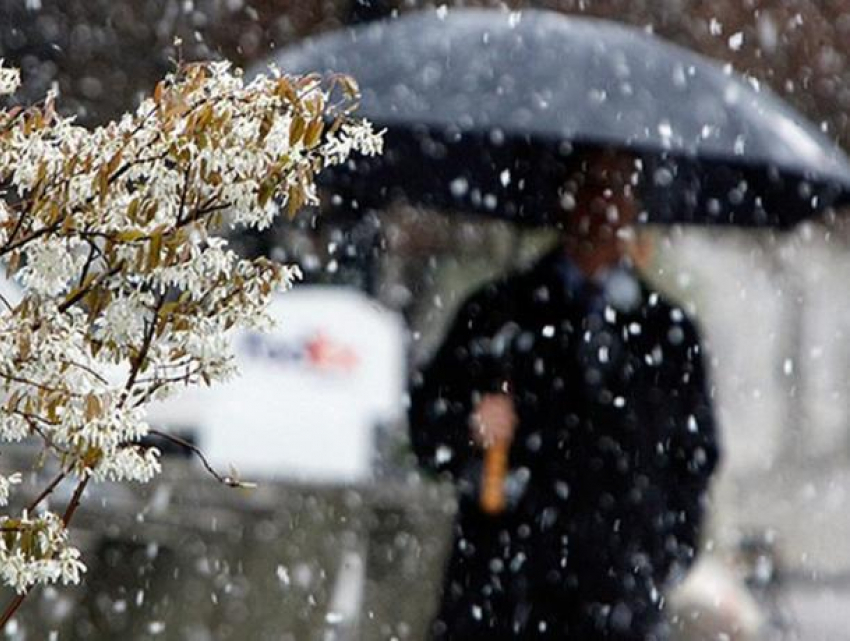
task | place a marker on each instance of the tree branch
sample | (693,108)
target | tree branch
(143,352)
(89,262)
(86,368)
(10,610)
(39,386)
(9,247)
(74,503)
(85,290)
(44,494)
(6,303)
(226,480)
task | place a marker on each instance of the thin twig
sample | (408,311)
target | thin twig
(86,368)
(29,416)
(85,290)
(89,262)
(226,480)
(48,442)
(74,503)
(199,213)
(10,610)
(44,494)
(18,225)
(129,165)
(37,385)
(183,193)
(12,246)
(143,352)
(172,379)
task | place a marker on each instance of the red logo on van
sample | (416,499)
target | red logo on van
(319,352)
(326,354)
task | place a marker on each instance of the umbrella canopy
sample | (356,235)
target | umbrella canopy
(485,110)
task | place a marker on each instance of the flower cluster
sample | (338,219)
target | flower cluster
(35,550)
(6,483)
(118,239)
(10,80)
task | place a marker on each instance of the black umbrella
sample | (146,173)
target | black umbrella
(484,110)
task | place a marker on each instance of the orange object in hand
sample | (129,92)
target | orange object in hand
(492,497)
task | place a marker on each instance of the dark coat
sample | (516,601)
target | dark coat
(615,447)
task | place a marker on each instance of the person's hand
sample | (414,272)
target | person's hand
(493,420)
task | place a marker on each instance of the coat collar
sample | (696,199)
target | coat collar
(563,280)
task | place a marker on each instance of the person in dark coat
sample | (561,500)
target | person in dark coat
(598,383)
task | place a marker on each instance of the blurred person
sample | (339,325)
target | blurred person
(714,603)
(593,385)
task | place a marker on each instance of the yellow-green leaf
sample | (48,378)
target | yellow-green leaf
(296,129)
(130,235)
(155,253)
(313,133)
(93,407)
(265,192)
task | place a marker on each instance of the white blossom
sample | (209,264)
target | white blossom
(46,558)
(13,427)
(6,483)
(10,80)
(129,464)
(123,321)
(353,137)
(50,267)
(130,293)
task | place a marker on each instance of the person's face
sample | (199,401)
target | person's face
(605,205)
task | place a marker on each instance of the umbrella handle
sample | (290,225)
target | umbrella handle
(492,498)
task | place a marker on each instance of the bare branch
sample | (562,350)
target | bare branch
(10,610)
(74,503)
(78,296)
(143,352)
(226,480)
(86,368)
(47,491)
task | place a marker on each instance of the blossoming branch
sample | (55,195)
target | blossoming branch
(117,237)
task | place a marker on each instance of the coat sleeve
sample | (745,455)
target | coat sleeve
(443,393)
(694,451)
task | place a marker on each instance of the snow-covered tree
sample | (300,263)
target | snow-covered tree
(117,237)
